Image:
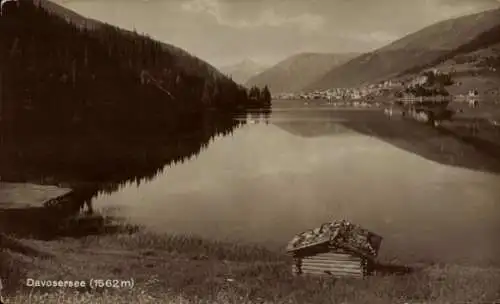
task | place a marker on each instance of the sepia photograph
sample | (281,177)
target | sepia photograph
(250,151)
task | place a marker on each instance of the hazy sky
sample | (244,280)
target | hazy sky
(227,31)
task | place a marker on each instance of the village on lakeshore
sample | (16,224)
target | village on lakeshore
(375,95)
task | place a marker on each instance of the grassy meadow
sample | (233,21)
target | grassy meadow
(187,269)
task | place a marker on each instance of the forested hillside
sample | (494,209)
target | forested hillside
(88,104)
(59,76)
(411,52)
(485,40)
(474,66)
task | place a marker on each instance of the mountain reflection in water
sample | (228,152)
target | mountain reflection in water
(92,163)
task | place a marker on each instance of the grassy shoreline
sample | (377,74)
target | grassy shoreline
(187,269)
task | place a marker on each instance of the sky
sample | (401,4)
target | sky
(225,32)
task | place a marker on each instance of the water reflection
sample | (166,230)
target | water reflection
(436,145)
(93,164)
(263,184)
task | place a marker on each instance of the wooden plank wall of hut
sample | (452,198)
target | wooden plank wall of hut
(330,263)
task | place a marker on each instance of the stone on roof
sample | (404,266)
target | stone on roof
(339,234)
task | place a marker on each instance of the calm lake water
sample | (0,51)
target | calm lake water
(423,192)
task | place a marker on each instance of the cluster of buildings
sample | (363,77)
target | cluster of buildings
(355,104)
(419,80)
(371,91)
(381,91)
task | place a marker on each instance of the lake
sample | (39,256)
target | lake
(432,198)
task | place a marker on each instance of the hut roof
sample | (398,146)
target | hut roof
(339,234)
(22,195)
(4,2)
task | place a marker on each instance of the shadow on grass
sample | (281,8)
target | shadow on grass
(388,269)
(47,224)
(13,245)
(15,256)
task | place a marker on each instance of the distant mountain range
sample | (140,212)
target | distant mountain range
(414,52)
(243,71)
(295,72)
(468,45)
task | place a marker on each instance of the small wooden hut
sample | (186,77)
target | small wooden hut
(338,249)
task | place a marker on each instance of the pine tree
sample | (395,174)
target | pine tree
(254,93)
(266,95)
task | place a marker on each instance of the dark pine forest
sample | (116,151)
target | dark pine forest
(95,107)
(61,77)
